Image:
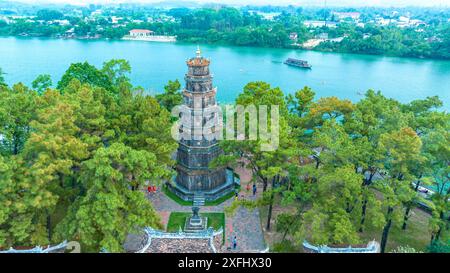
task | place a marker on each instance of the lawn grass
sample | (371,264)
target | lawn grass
(216,220)
(176,221)
(182,202)
(416,235)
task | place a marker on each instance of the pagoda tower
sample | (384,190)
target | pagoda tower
(195,179)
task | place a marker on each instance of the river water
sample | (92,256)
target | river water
(153,64)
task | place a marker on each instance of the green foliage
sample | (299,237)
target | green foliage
(439,247)
(2,78)
(42,83)
(334,217)
(141,123)
(171,96)
(17,110)
(287,224)
(116,72)
(402,151)
(301,101)
(110,208)
(285,246)
(85,73)
(346,167)
(49,15)
(25,198)
(330,108)
(390,40)
(73,160)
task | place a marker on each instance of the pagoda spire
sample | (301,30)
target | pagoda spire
(198,52)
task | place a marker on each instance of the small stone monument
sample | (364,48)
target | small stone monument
(195,223)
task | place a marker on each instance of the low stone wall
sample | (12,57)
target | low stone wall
(372,247)
(60,248)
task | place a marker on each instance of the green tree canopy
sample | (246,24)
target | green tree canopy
(85,73)
(42,82)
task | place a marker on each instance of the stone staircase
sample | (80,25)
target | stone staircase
(199,200)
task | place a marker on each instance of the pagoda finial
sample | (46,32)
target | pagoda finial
(198,52)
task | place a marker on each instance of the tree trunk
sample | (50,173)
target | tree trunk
(15,148)
(386,229)
(438,233)
(408,208)
(272,195)
(61,180)
(366,183)
(417,186)
(363,215)
(269,214)
(406,216)
(369,181)
(285,234)
(49,227)
(265,185)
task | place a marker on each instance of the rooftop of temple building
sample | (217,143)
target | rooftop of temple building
(180,245)
(155,241)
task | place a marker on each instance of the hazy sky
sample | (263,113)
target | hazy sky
(272,2)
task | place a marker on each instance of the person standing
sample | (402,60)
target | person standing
(234,242)
(254,189)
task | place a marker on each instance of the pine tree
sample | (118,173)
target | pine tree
(402,150)
(53,151)
(110,209)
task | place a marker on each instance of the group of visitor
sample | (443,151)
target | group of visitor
(254,188)
(151,189)
(236,196)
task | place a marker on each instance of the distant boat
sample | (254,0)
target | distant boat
(297,63)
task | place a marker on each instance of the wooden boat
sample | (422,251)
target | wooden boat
(297,63)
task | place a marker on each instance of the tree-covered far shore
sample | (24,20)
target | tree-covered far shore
(247,27)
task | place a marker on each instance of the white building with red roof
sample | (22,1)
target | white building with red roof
(141,32)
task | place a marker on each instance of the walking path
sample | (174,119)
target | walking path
(244,224)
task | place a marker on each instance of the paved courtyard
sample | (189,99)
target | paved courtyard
(244,224)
